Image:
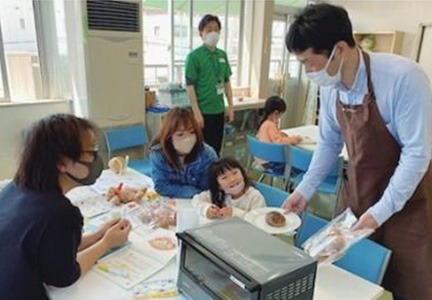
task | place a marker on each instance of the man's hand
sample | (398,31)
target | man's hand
(296,203)
(366,221)
(230,114)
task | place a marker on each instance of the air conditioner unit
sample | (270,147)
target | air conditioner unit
(113,52)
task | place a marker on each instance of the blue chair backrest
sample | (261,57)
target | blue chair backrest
(273,197)
(126,137)
(366,258)
(310,225)
(267,151)
(300,159)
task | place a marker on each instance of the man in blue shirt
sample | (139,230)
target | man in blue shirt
(380,105)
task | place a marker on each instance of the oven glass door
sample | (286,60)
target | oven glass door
(214,278)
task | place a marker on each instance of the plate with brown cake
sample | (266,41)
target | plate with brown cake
(273,220)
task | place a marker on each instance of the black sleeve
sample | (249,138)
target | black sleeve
(58,249)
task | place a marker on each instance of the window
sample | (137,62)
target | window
(157,45)
(182,37)
(233,38)
(33,51)
(61,87)
(277,54)
(20,49)
(165,59)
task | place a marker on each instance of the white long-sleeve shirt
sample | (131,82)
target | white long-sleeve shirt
(404,100)
(251,199)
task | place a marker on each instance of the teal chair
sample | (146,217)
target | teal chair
(365,259)
(299,161)
(269,152)
(125,138)
(273,197)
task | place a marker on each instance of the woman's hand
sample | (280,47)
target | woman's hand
(117,234)
(105,226)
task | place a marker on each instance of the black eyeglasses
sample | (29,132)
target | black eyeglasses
(92,152)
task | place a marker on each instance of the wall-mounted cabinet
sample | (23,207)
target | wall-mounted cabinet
(380,41)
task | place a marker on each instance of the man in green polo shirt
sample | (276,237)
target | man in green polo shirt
(208,78)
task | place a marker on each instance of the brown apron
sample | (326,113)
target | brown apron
(373,157)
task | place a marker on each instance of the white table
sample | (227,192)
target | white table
(310,131)
(332,283)
(247,103)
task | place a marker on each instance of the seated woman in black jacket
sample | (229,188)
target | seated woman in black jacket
(41,239)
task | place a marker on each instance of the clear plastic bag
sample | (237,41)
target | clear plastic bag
(150,215)
(331,242)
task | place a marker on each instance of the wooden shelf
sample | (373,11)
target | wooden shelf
(383,41)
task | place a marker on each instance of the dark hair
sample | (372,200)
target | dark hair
(320,27)
(272,104)
(47,142)
(176,118)
(206,20)
(218,168)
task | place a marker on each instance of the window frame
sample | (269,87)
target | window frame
(42,40)
(173,63)
(5,81)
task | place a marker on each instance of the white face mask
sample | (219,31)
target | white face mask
(212,38)
(185,145)
(322,78)
(235,190)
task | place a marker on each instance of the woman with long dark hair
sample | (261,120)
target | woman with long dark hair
(179,156)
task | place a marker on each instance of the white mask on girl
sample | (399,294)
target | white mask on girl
(185,145)
(235,190)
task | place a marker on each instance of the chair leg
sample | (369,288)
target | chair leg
(271,180)
(286,185)
(261,178)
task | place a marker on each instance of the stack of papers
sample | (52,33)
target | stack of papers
(130,266)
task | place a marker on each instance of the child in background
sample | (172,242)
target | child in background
(269,132)
(231,192)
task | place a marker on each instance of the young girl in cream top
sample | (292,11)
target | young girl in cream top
(231,193)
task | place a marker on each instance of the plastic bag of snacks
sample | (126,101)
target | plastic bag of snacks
(151,215)
(331,242)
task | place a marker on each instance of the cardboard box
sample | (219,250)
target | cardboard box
(150,98)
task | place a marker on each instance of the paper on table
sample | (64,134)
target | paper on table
(158,289)
(128,267)
(93,224)
(93,206)
(109,179)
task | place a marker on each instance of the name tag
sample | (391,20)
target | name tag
(222,60)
